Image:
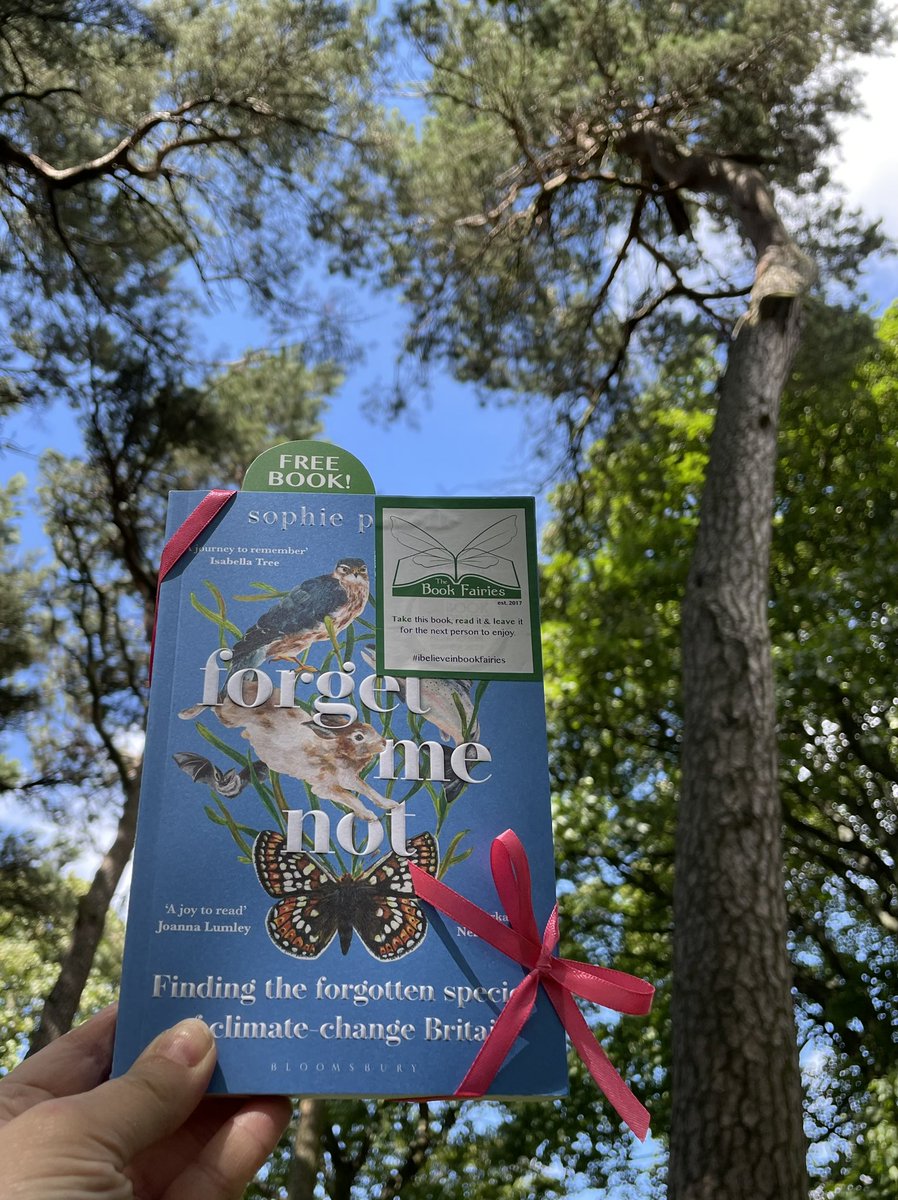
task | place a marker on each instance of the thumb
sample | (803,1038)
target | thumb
(157,1095)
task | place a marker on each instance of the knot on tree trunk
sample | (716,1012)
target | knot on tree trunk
(783,273)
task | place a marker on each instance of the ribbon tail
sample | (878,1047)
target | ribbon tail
(179,542)
(511,875)
(460,909)
(614,989)
(631,1111)
(504,1034)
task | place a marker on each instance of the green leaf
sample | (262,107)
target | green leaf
(221,622)
(217,742)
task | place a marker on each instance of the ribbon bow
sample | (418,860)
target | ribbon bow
(560,977)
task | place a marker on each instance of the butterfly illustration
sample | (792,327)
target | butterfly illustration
(313,905)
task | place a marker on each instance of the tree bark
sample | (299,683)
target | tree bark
(62,1003)
(736,1126)
(417,1151)
(307,1149)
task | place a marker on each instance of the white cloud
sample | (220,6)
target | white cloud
(868,162)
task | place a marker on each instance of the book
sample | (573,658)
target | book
(290,777)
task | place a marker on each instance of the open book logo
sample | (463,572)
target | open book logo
(476,570)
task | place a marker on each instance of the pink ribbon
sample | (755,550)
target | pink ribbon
(560,977)
(181,541)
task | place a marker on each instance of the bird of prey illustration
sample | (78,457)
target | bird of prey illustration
(288,628)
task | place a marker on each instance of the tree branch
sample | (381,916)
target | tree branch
(38,97)
(63,178)
(781,270)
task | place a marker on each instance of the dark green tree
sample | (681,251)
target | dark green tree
(146,431)
(586,177)
(38,899)
(145,146)
(621,544)
(18,584)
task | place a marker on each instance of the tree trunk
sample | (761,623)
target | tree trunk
(62,1004)
(307,1149)
(418,1150)
(736,1128)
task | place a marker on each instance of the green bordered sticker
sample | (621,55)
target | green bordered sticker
(457,588)
(318,467)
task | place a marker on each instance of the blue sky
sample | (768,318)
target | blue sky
(451,445)
(454,445)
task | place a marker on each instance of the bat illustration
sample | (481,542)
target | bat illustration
(227,783)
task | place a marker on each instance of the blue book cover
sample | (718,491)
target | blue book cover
(292,771)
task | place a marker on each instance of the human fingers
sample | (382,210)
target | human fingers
(154,1168)
(229,1161)
(155,1097)
(75,1062)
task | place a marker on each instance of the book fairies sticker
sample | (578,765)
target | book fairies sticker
(457,591)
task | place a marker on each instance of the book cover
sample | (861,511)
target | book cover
(291,776)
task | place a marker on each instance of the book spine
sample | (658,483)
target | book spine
(149,842)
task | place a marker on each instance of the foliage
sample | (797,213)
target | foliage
(585,174)
(870,1168)
(620,548)
(18,647)
(589,181)
(140,139)
(146,429)
(37,905)
(257,400)
(146,432)
(539,1149)
(557,225)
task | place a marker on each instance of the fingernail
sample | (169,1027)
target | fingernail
(186,1043)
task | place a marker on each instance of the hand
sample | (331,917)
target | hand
(65,1134)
